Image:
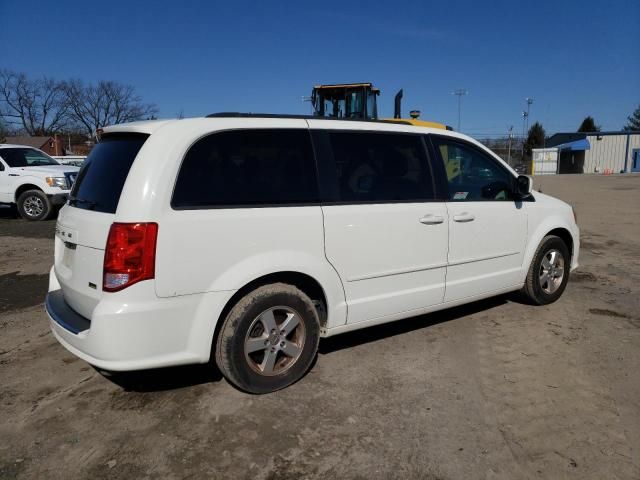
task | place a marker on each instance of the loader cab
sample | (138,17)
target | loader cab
(353,101)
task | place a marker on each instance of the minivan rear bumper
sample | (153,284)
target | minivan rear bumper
(139,331)
(63,314)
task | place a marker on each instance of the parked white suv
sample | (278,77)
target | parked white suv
(33,181)
(248,238)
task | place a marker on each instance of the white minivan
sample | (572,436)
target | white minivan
(249,237)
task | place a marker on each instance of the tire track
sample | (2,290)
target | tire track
(556,421)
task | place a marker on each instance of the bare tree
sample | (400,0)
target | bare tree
(36,106)
(107,103)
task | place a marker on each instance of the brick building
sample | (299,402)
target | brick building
(52,145)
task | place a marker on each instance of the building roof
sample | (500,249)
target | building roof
(567,137)
(27,140)
(562,138)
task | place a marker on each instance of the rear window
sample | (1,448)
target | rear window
(249,168)
(102,176)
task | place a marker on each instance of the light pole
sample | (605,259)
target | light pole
(525,116)
(510,137)
(459,93)
(529,102)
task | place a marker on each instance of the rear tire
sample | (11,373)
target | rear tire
(34,205)
(269,339)
(549,272)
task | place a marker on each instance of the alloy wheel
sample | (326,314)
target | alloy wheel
(33,206)
(551,271)
(274,341)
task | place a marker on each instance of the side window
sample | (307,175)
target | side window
(472,175)
(248,168)
(380,167)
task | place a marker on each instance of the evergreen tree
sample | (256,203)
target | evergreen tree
(588,125)
(535,138)
(633,121)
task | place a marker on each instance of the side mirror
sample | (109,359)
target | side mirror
(524,185)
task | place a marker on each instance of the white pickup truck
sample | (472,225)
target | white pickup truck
(33,181)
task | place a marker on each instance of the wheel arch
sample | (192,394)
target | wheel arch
(551,227)
(565,235)
(303,281)
(25,187)
(308,284)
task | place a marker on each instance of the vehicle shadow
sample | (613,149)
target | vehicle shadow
(164,379)
(8,211)
(387,330)
(174,378)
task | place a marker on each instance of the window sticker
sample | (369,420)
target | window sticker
(460,195)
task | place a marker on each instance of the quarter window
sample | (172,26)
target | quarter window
(248,168)
(380,167)
(471,174)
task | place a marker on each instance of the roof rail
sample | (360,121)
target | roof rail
(303,117)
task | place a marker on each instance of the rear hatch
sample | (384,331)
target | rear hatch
(83,224)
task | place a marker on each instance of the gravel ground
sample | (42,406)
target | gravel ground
(492,390)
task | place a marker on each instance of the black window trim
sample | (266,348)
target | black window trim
(326,164)
(438,168)
(324,161)
(253,205)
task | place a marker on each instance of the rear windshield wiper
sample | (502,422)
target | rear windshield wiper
(89,203)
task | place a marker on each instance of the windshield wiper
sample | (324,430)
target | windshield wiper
(73,201)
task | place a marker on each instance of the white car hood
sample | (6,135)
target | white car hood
(549,200)
(46,170)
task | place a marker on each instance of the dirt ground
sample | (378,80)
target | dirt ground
(493,390)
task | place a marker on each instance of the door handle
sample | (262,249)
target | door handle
(464,217)
(432,219)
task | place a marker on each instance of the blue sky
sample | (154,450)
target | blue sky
(575,58)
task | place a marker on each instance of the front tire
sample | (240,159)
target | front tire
(549,271)
(34,205)
(269,339)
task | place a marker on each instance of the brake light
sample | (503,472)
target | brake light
(130,255)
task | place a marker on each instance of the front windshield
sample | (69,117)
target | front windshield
(26,157)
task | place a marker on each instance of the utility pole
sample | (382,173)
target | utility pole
(525,115)
(510,137)
(525,123)
(459,93)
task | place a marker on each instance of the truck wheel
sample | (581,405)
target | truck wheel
(269,339)
(34,205)
(549,271)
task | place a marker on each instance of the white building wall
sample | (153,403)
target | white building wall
(606,153)
(544,161)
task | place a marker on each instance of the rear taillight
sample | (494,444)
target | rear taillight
(130,255)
